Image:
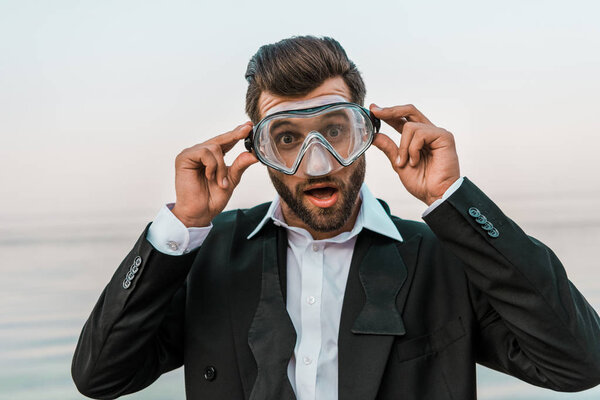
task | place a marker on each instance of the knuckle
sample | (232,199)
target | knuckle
(398,112)
(209,162)
(448,133)
(183,154)
(409,126)
(202,150)
(213,148)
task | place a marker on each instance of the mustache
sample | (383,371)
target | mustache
(321,179)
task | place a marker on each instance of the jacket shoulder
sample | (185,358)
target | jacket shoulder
(408,228)
(249,217)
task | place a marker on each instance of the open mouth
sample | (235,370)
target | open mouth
(322,195)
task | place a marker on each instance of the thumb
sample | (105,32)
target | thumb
(239,165)
(384,143)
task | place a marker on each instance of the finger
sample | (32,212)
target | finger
(416,144)
(396,113)
(407,136)
(229,139)
(397,124)
(384,143)
(239,165)
(221,168)
(209,161)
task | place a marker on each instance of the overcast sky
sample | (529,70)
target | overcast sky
(97,98)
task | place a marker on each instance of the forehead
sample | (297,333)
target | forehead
(330,91)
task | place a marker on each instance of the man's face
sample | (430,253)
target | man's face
(323,203)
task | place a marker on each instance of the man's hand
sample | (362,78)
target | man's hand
(203,183)
(426,160)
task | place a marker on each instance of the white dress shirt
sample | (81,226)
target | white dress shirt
(317,271)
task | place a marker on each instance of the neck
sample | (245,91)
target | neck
(293,220)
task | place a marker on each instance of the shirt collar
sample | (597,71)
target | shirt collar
(371,215)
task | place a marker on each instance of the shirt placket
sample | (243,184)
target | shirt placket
(310,311)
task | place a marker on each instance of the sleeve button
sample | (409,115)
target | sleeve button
(488,226)
(494,233)
(474,212)
(481,219)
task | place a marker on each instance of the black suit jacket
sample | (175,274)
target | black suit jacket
(416,316)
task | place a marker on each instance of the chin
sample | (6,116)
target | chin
(325,203)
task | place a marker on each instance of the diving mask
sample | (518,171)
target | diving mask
(339,129)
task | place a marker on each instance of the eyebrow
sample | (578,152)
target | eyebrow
(278,124)
(332,114)
(336,113)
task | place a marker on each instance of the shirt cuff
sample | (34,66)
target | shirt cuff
(170,236)
(446,194)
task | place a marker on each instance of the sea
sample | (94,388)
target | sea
(52,273)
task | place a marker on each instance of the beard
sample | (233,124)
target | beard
(323,219)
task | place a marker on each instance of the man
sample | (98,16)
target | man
(322,294)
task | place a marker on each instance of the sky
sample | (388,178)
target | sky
(98,97)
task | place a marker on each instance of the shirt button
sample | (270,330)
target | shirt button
(311,300)
(172,245)
(315,247)
(306,360)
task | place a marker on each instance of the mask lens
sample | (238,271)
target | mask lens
(348,131)
(286,136)
(344,129)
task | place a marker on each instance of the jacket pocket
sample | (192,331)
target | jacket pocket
(430,343)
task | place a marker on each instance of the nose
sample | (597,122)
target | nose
(317,161)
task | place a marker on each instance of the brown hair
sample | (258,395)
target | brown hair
(297,65)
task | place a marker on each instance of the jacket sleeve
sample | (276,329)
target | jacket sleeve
(135,331)
(533,323)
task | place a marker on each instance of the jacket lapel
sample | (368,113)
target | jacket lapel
(378,283)
(263,334)
(271,335)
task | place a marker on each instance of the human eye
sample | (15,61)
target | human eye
(335,131)
(286,139)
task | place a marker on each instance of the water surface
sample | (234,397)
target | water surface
(53,275)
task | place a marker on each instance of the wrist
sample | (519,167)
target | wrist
(443,191)
(431,199)
(190,222)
